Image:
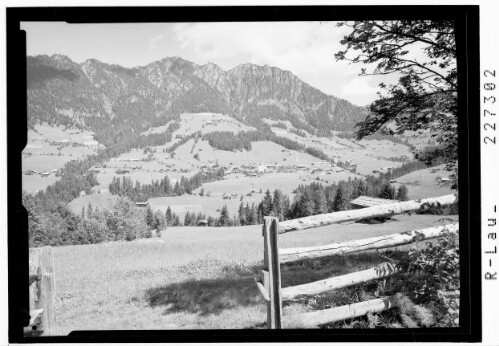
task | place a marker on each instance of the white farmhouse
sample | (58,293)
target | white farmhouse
(91,143)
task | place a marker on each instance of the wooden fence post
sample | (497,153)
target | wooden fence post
(272,281)
(45,290)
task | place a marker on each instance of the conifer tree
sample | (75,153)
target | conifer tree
(402,193)
(211,221)
(224,217)
(176,219)
(306,204)
(242,214)
(387,191)
(340,199)
(286,204)
(235,221)
(199,217)
(89,211)
(187,219)
(159,221)
(169,216)
(254,215)
(259,216)
(277,205)
(149,217)
(247,212)
(359,189)
(320,206)
(266,205)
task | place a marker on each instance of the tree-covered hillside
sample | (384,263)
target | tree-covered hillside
(114,101)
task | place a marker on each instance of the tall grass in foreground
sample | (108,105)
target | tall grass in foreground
(202,278)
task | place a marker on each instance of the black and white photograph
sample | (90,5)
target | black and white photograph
(247,175)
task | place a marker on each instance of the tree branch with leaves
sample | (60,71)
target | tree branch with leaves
(424,99)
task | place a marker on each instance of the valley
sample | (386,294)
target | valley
(148,177)
(47,150)
(248,173)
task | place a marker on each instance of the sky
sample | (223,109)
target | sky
(304,48)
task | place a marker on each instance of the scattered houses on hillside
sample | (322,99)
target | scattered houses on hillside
(56,171)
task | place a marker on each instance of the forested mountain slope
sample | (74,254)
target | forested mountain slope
(116,102)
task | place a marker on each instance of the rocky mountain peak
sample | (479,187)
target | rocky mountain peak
(174,85)
(61,58)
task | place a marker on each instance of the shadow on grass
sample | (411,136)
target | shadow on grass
(237,288)
(208,296)
(306,271)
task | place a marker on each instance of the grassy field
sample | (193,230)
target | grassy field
(157,129)
(191,277)
(264,152)
(209,122)
(33,183)
(367,154)
(240,186)
(420,183)
(144,176)
(41,154)
(211,206)
(203,122)
(100,200)
(423,183)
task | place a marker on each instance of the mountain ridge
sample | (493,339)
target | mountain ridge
(96,94)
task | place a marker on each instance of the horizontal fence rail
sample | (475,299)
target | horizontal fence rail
(360,214)
(269,283)
(316,318)
(391,240)
(381,271)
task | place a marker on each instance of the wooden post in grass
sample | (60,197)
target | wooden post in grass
(48,291)
(272,281)
(42,304)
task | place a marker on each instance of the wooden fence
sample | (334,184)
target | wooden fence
(269,283)
(41,293)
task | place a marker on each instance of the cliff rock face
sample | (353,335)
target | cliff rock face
(62,91)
